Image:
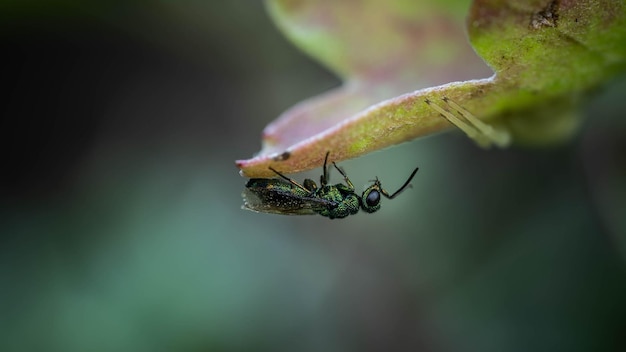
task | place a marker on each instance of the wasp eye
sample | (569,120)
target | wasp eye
(373,198)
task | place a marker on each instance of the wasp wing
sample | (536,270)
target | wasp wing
(278,197)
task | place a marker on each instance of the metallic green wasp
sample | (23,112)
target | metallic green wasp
(288,197)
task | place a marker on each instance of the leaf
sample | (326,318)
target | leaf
(546,55)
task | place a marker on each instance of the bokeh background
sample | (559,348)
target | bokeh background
(121,227)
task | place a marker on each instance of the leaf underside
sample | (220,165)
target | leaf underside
(546,55)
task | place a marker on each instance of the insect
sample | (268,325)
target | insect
(288,197)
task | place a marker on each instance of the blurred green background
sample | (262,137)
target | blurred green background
(121,227)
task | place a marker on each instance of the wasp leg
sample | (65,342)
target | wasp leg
(325,175)
(293,182)
(345,177)
(484,134)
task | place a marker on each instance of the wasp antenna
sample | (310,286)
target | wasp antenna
(404,186)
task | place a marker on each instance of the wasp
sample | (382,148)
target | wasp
(285,196)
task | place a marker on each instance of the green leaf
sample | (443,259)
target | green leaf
(546,55)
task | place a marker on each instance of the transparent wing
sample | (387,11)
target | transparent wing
(280,201)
